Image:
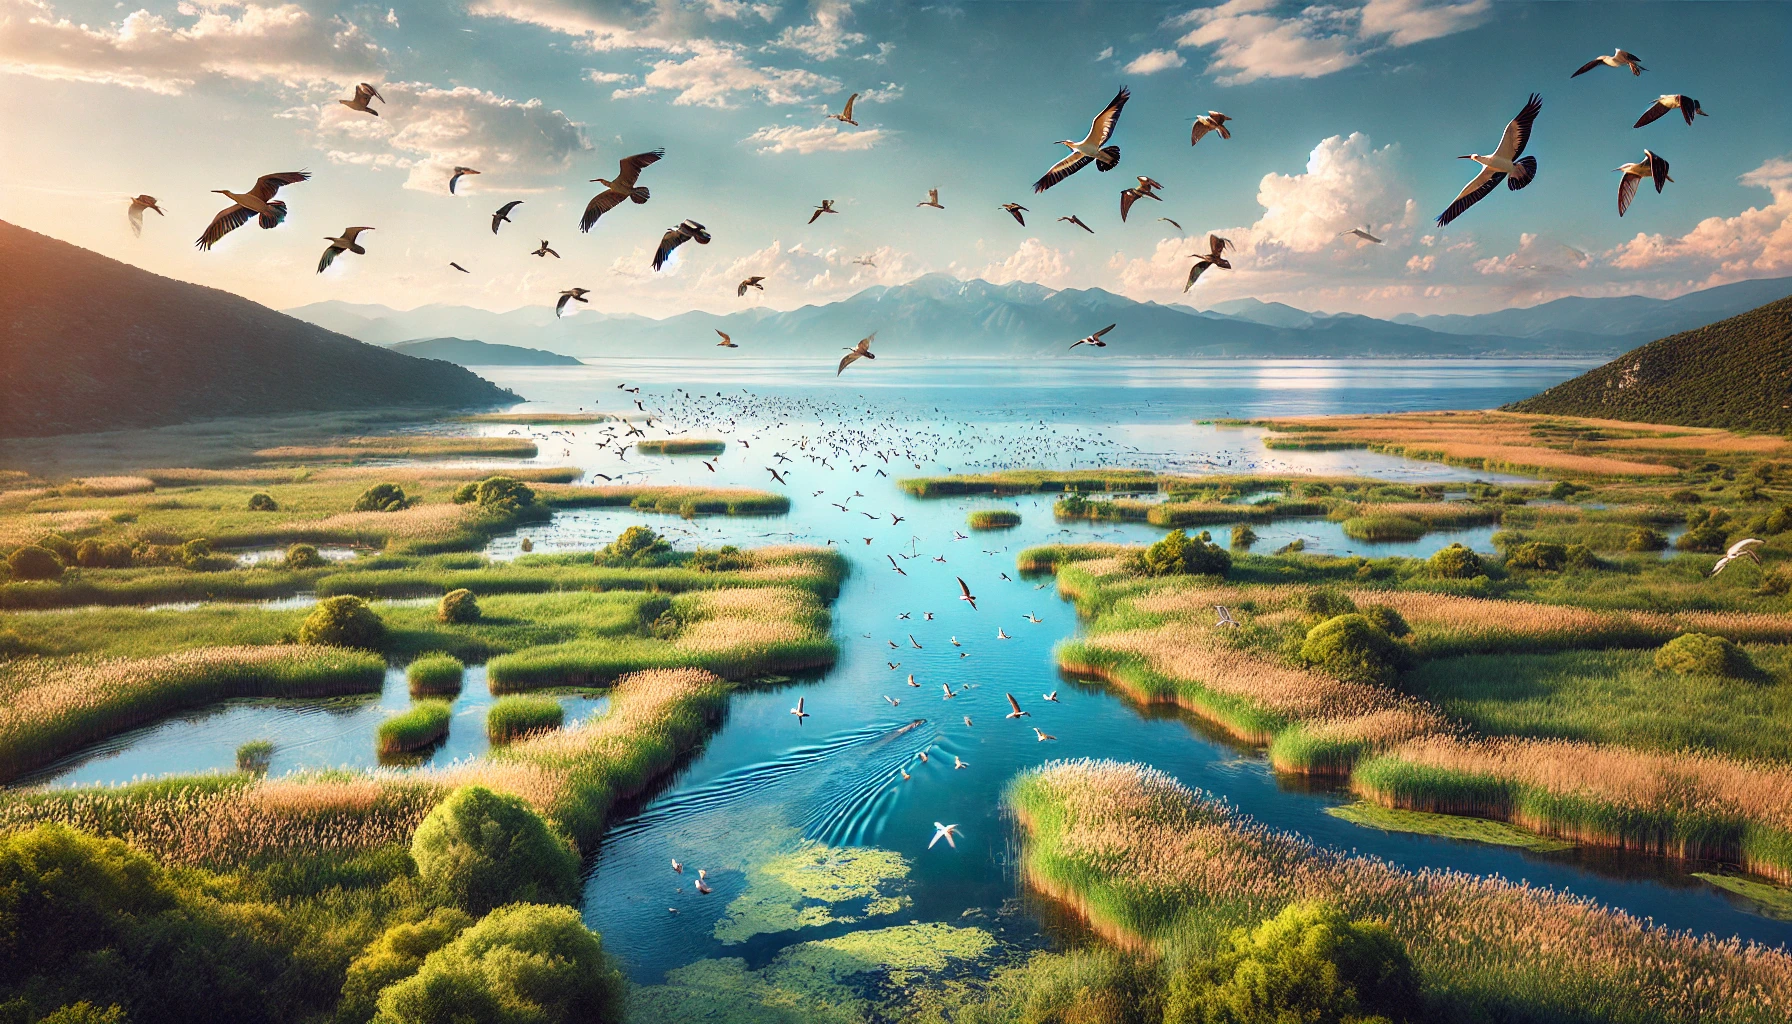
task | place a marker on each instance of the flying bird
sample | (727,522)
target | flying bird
(1687,106)
(895,702)
(363,94)
(135,213)
(1052,697)
(1093,146)
(1620,59)
(1078,221)
(1014,710)
(544,250)
(458,267)
(1212,121)
(845,116)
(1362,233)
(965,594)
(1741,549)
(1129,196)
(1043,736)
(1226,618)
(1094,339)
(860,351)
(454,179)
(740,290)
(1170,222)
(257,202)
(1015,210)
(865,261)
(346,243)
(959,762)
(726,341)
(575,295)
(619,189)
(503,214)
(776,475)
(827,206)
(687,230)
(896,567)
(1505,163)
(933,199)
(945,832)
(1650,166)
(799,712)
(1213,257)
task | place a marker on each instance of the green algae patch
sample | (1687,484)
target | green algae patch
(1450,826)
(1769,900)
(812,886)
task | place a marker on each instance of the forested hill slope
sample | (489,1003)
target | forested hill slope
(1735,373)
(89,343)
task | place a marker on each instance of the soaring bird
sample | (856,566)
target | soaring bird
(1650,166)
(458,267)
(1212,121)
(686,231)
(503,214)
(1687,106)
(346,243)
(1015,210)
(740,290)
(799,712)
(1043,736)
(1362,233)
(726,341)
(1226,618)
(1094,339)
(865,261)
(620,188)
(1129,196)
(1503,163)
(1014,710)
(364,93)
(454,179)
(1741,549)
(1078,221)
(827,206)
(1093,147)
(845,116)
(965,594)
(945,832)
(933,199)
(1620,59)
(1216,246)
(574,294)
(135,213)
(258,201)
(860,351)
(545,250)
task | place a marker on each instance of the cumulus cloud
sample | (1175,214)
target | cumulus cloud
(1405,22)
(1032,261)
(716,76)
(1106,52)
(823,139)
(826,35)
(1754,243)
(1252,39)
(283,43)
(1153,62)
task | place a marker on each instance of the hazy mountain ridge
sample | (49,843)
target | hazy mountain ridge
(465,352)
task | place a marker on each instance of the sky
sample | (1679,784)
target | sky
(1346,114)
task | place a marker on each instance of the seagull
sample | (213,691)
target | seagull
(1622,58)
(686,231)
(933,199)
(945,832)
(955,642)
(1362,233)
(923,756)
(258,201)
(1226,618)
(1015,210)
(1052,696)
(1212,258)
(1093,147)
(364,93)
(1170,222)
(1014,708)
(1503,163)
(845,116)
(1043,736)
(1212,121)
(860,351)
(1741,549)
(454,179)
(1651,166)
(965,596)
(912,642)
(740,290)
(1129,196)
(575,294)
(503,214)
(827,206)
(799,712)
(544,250)
(621,188)
(1687,106)
(677,866)
(346,243)
(1078,221)
(726,341)
(135,213)
(1094,339)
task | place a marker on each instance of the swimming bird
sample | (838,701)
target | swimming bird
(1212,121)
(893,701)
(685,231)
(573,294)
(799,712)
(1170,222)
(677,866)
(845,115)
(827,206)
(459,173)
(1129,196)
(1504,163)
(1744,548)
(933,199)
(1362,233)
(1094,339)
(1043,736)
(619,189)
(135,213)
(1651,166)
(1093,146)
(860,351)
(346,243)
(544,250)
(363,94)
(1212,258)
(1226,618)
(1014,708)
(740,290)
(1620,59)
(1015,210)
(726,341)
(1687,106)
(503,214)
(1052,696)
(258,201)
(966,596)
(946,689)
(945,832)
(458,267)
(967,721)
(702,887)
(1078,221)
(923,756)
(958,762)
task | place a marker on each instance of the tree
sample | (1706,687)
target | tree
(382,498)
(479,849)
(1178,554)
(343,621)
(34,563)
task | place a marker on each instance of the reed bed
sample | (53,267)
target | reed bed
(434,674)
(1451,624)
(417,446)
(1051,556)
(1173,514)
(680,501)
(681,446)
(106,486)
(1163,869)
(993,519)
(538,419)
(422,726)
(1030,481)
(514,717)
(1484,440)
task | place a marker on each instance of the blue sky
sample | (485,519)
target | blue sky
(1345,114)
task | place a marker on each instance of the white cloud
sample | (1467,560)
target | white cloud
(607,77)
(1252,39)
(825,36)
(715,75)
(1754,243)
(889,92)
(1406,22)
(823,139)
(1105,53)
(1347,183)
(1153,62)
(1032,261)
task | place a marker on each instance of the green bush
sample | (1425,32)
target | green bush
(1775,582)
(1779,520)
(1544,556)
(1354,649)
(255,756)
(1307,965)
(261,501)
(393,957)
(522,964)
(435,674)
(33,562)
(58,545)
(502,493)
(304,556)
(382,498)
(344,621)
(1684,496)
(727,558)
(421,726)
(1644,539)
(1242,538)
(637,546)
(1701,654)
(511,717)
(1384,528)
(458,606)
(85,1012)
(466,492)
(1388,620)
(1708,530)
(1325,603)
(97,554)
(479,850)
(1454,563)
(1072,505)
(1178,554)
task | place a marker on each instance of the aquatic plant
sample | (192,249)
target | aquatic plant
(255,756)
(993,519)
(479,850)
(680,446)
(1242,538)
(458,605)
(635,546)
(344,621)
(511,717)
(1384,528)
(434,674)
(422,726)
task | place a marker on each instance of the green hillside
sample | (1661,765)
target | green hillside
(1735,373)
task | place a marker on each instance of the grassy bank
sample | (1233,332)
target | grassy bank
(434,674)
(405,446)
(512,718)
(680,501)
(680,446)
(421,727)
(993,519)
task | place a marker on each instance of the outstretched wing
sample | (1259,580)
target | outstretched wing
(1195,272)
(1653,114)
(1472,193)
(1128,196)
(558,306)
(1660,168)
(850,100)
(1061,170)
(1103,331)
(224,223)
(268,184)
(630,167)
(1518,130)
(1626,192)
(599,205)
(1588,66)
(846,361)
(1102,127)
(136,215)
(328,258)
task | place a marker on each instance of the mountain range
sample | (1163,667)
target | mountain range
(938,315)
(463,352)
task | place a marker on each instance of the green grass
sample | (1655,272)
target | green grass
(1028,481)
(405,446)
(423,725)
(678,501)
(1384,528)
(434,674)
(1769,900)
(534,419)
(677,446)
(1449,826)
(254,756)
(516,716)
(583,663)
(993,519)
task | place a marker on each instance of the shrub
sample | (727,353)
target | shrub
(466,492)
(1242,538)
(393,957)
(435,673)
(1701,654)
(511,717)
(304,556)
(85,1012)
(255,756)
(1307,965)
(1388,620)
(994,519)
(58,545)
(1644,539)
(1324,604)
(1775,582)
(344,621)
(502,493)
(90,554)
(1454,563)
(1072,505)
(381,498)
(637,546)
(458,606)
(1779,520)
(479,850)
(1544,556)
(423,725)
(727,558)
(33,562)
(1178,554)
(1684,496)
(1315,490)
(1707,530)
(522,964)
(261,501)
(1294,546)
(1354,649)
